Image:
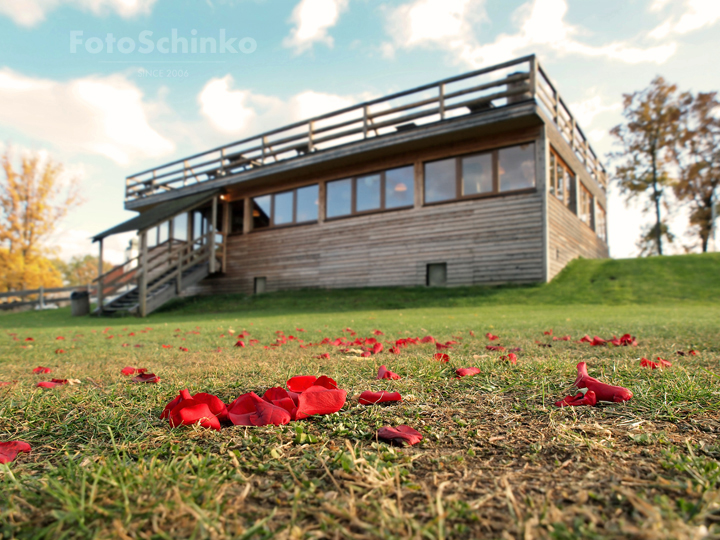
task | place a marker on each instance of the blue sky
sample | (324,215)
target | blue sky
(107,115)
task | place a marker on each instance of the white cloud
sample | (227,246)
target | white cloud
(696,14)
(32,12)
(586,111)
(242,112)
(540,24)
(312,20)
(94,115)
(226,109)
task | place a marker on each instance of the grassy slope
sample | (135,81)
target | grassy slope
(497,458)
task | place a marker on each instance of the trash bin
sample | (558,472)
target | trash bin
(80,303)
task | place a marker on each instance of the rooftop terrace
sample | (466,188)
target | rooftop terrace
(478,92)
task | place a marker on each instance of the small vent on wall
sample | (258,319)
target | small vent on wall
(260,285)
(436,275)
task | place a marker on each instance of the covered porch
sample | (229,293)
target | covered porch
(178,244)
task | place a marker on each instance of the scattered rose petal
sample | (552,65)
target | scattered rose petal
(548,332)
(319,400)
(378,333)
(385,373)
(603,391)
(644,362)
(400,434)
(9,450)
(372,398)
(323,356)
(132,371)
(52,383)
(41,369)
(29,339)
(495,347)
(300,383)
(491,337)
(186,410)
(579,399)
(511,357)
(240,343)
(59,338)
(467,372)
(59,351)
(183,349)
(441,357)
(167,346)
(146,378)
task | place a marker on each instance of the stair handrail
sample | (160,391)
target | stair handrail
(183,254)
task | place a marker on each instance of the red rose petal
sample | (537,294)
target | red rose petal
(300,383)
(269,414)
(579,399)
(400,434)
(441,357)
(41,369)
(319,400)
(146,378)
(467,372)
(372,398)
(603,391)
(385,373)
(9,450)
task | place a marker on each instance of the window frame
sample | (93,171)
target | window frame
(568,192)
(294,222)
(495,152)
(603,212)
(383,195)
(590,206)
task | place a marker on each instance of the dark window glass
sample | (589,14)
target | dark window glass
(517,167)
(237,216)
(400,187)
(477,174)
(261,211)
(367,195)
(339,199)
(307,204)
(436,275)
(440,181)
(283,211)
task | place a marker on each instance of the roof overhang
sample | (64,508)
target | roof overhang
(489,122)
(161,212)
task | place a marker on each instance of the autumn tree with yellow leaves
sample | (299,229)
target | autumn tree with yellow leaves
(35,195)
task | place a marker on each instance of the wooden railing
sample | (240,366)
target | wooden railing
(496,86)
(41,296)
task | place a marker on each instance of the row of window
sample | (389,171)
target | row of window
(497,171)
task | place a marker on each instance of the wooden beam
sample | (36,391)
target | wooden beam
(247,216)
(142,289)
(100,280)
(225,232)
(212,230)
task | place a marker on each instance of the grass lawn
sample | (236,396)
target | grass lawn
(498,459)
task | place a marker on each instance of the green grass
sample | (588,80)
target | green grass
(498,460)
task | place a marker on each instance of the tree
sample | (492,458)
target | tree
(34,198)
(647,138)
(80,270)
(698,158)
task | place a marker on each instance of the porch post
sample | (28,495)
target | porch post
(225,233)
(143,274)
(213,222)
(100,280)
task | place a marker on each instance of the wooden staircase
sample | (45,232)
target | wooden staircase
(170,268)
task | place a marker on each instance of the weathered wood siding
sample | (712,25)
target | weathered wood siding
(483,241)
(569,238)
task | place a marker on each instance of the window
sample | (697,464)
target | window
(562,180)
(436,275)
(516,167)
(506,169)
(339,198)
(585,210)
(394,188)
(477,174)
(441,180)
(296,206)
(237,216)
(601,223)
(400,187)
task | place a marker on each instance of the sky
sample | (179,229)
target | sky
(99,85)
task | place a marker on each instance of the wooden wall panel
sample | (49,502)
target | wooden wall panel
(570,238)
(483,241)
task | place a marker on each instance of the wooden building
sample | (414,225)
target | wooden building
(483,178)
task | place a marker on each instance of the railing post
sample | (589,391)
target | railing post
(533,76)
(142,289)
(41,297)
(264,142)
(100,280)
(185,168)
(441,90)
(222,160)
(572,132)
(213,223)
(311,143)
(365,122)
(178,279)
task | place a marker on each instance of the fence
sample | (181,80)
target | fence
(40,297)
